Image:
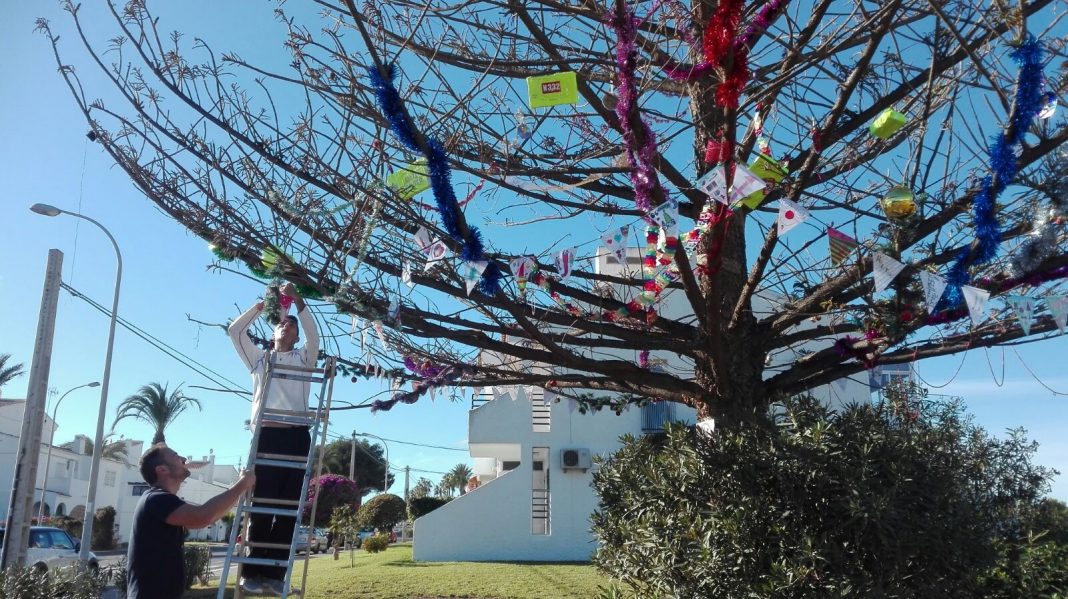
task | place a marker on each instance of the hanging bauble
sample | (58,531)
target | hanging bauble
(899,202)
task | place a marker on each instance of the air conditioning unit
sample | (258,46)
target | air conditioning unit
(575,459)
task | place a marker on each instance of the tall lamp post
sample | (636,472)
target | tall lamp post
(98,441)
(51,441)
(385,479)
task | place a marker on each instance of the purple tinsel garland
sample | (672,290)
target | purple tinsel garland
(433,377)
(440,174)
(760,24)
(1028,102)
(640,160)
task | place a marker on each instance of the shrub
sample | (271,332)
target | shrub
(422,506)
(104,529)
(903,499)
(31,583)
(197,564)
(73,526)
(333,491)
(1034,568)
(376,543)
(382,512)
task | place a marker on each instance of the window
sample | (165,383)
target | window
(109,478)
(539,497)
(60,540)
(40,539)
(61,509)
(138,489)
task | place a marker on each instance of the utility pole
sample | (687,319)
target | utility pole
(404,524)
(352,458)
(17,538)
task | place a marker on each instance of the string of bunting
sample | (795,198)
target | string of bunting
(1028,103)
(431,376)
(440,173)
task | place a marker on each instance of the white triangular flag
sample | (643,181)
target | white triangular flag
(714,185)
(884,269)
(616,242)
(435,252)
(1058,307)
(565,262)
(422,239)
(933,288)
(976,299)
(745,183)
(790,215)
(472,272)
(1024,307)
(666,215)
(707,426)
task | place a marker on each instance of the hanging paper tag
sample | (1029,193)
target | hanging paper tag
(884,270)
(551,90)
(616,242)
(352,331)
(422,239)
(410,180)
(790,215)
(435,253)
(394,309)
(1058,308)
(564,262)
(472,272)
(933,288)
(745,183)
(1024,307)
(1050,108)
(381,331)
(976,299)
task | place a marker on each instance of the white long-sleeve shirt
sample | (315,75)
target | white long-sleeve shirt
(283,394)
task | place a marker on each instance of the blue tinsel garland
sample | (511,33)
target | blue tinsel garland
(1028,102)
(389,101)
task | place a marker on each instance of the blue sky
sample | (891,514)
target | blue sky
(46,157)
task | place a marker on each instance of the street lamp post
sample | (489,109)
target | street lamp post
(385,479)
(98,442)
(51,441)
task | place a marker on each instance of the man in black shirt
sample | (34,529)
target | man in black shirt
(156,568)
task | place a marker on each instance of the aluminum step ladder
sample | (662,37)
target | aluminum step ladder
(249,504)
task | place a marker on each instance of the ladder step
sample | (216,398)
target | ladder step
(274,511)
(295,368)
(261,561)
(257,545)
(297,377)
(274,501)
(280,463)
(289,417)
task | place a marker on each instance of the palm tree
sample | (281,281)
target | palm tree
(459,475)
(8,373)
(153,405)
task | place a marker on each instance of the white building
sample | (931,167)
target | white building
(66,484)
(533,453)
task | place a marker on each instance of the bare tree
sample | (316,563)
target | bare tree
(285,175)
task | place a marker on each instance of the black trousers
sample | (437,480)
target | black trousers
(276,483)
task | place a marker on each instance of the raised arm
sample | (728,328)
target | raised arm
(246,349)
(307,323)
(199,516)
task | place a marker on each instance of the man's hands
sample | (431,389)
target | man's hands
(247,480)
(291,290)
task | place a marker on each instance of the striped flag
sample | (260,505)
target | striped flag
(841,245)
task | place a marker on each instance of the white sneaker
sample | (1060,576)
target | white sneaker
(252,586)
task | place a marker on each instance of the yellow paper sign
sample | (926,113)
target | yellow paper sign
(887,123)
(410,180)
(770,171)
(551,90)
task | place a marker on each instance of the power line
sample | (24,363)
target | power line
(164,347)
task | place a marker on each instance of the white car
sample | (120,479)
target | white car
(52,548)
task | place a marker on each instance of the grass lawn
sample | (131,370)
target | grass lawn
(393,575)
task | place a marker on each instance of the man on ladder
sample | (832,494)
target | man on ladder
(277,438)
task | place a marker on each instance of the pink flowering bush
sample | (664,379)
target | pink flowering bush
(333,490)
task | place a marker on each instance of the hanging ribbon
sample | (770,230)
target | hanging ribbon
(392,107)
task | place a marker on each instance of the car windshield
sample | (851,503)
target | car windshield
(60,540)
